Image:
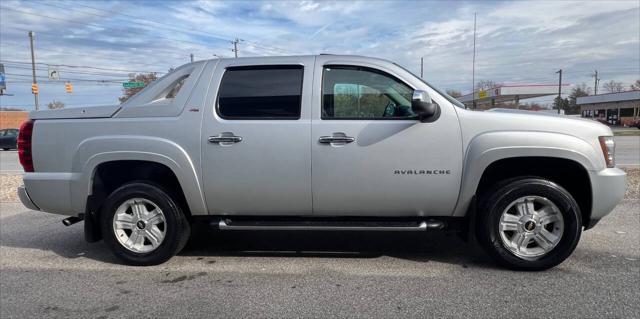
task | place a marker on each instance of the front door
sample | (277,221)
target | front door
(371,157)
(256,158)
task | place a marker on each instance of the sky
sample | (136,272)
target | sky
(96,45)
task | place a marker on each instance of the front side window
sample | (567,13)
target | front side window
(351,92)
(261,92)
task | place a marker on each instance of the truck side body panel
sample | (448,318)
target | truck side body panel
(62,182)
(280,168)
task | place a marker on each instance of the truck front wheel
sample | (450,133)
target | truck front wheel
(143,225)
(529,224)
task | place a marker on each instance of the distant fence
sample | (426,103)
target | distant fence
(12,119)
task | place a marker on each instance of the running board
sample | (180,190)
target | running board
(430,224)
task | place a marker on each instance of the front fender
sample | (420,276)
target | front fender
(95,151)
(488,148)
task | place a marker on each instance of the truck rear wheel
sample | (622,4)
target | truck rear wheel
(529,224)
(143,225)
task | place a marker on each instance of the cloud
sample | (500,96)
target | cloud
(517,41)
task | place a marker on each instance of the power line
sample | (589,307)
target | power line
(20,67)
(71,79)
(83,67)
(86,55)
(71,72)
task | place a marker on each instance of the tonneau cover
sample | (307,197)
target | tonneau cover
(76,113)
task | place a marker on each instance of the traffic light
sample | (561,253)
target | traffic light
(68,87)
(34,88)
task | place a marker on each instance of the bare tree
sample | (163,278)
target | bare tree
(613,87)
(140,77)
(635,86)
(578,91)
(55,105)
(487,84)
(454,93)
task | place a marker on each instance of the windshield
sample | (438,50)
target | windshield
(445,95)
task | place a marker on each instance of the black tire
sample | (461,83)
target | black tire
(177,226)
(497,200)
(5,148)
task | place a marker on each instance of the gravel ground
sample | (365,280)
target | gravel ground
(9,183)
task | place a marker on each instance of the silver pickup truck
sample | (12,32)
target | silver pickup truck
(321,142)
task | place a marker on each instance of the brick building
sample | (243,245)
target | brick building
(12,119)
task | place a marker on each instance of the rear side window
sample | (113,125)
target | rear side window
(261,92)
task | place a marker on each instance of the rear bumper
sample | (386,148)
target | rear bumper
(608,187)
(26,199)
(51,192)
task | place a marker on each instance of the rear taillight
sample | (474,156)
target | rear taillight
(24,146)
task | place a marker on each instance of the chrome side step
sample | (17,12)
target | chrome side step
(431,224)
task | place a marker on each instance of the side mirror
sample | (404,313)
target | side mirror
(423,107)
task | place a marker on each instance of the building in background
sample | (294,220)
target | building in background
(12,119)
(490,98)
(615,108)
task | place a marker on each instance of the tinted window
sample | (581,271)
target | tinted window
(350,92)
(261,92)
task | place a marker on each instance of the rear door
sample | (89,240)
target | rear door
(256,157)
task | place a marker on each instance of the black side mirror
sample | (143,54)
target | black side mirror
(423,107)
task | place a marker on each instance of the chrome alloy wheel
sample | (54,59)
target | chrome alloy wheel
(139,225)
(531,226)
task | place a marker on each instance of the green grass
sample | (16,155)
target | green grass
(635,132)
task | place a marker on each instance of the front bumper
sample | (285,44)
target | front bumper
(26,199)
(608,187)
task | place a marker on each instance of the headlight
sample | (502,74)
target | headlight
(608,146)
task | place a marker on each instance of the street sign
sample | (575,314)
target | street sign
(482,94)
(53,73)
(130,85)
(3,84)
(34,88)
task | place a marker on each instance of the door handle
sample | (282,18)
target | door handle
(336,138)
(225,139)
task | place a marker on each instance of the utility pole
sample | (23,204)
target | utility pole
(191,55)
(33,68)
(473,67)
(421,68)
(559,90)
(595,84)
(235,46)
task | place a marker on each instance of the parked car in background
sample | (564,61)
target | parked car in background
(317,143)
(8,138)
(635,123)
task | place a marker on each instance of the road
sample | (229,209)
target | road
(627,154)
(48,270)
(628,150)
(9,162)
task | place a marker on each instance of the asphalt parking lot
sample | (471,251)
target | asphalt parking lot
(49,270)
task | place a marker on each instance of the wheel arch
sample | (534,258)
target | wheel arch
(93,154)
(498,156)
